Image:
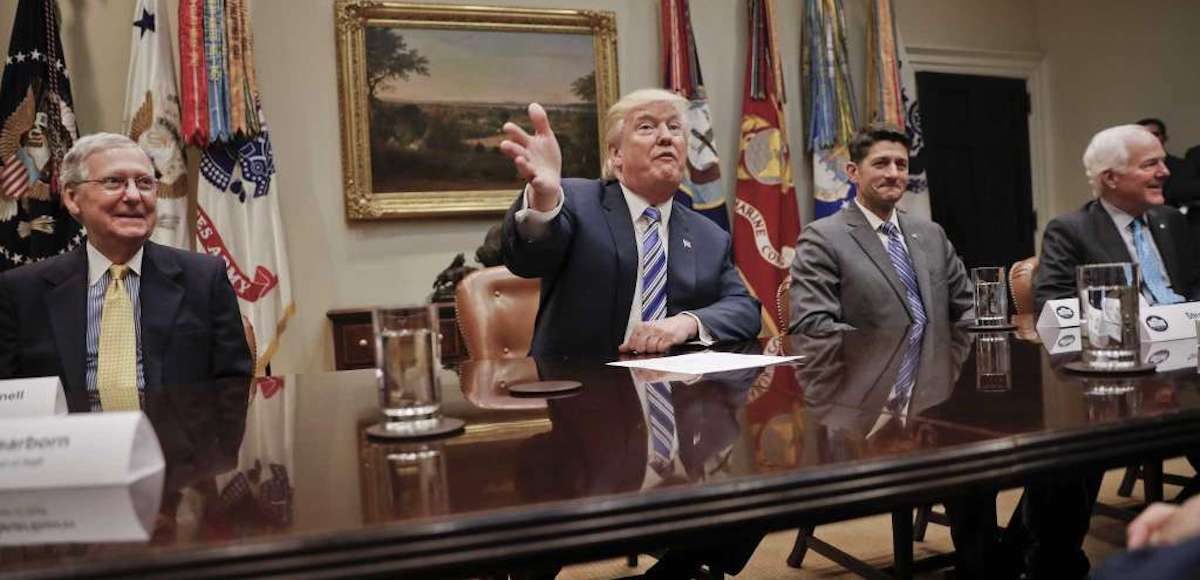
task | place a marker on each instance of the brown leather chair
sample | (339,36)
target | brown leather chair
(496,309)
(485,383)
(1020,285)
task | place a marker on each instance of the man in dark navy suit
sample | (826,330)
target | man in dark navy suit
(623,268)
(119,314)
(600,247)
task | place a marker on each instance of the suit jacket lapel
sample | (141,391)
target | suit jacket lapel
(868,240)
(1107,236)
(160,297)
(67,299)
(920,259)
(621,228)
(681,261)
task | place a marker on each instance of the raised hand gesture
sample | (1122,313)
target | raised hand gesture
(537,158)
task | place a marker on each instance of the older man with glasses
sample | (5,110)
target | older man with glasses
(119,314)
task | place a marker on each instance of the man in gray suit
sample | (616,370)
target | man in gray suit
(871,265)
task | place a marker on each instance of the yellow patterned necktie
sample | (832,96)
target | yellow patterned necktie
(116,376)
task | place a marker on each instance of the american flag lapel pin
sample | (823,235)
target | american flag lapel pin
(687,244)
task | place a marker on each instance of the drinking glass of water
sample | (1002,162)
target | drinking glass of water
(993,362)
(991,296)
(1108,302)
(407,361)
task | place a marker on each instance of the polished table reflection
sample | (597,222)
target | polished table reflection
(277,476)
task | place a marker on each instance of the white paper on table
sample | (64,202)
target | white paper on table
(700,363)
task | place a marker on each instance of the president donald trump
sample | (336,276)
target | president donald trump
(623,267)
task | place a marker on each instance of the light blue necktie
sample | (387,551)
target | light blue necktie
(654,270)
(1153,277)
(904,270)
(662,427)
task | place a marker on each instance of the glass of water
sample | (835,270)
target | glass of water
(1108,302)
(407,362)
(991,296)
(993,363)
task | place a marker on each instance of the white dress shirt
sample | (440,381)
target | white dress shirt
(876,222)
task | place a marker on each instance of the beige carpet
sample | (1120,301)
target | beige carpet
(871,540)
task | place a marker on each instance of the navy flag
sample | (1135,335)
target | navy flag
(37,127)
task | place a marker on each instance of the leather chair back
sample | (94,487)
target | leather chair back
(496,310)
(1020,285)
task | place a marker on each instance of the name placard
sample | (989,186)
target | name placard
(1061,313)
(115,513)
(83,450)
(38,397)
(1168,321)
(1060,340)
(1169,355)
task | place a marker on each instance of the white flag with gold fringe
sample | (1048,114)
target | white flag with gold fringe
(152,118)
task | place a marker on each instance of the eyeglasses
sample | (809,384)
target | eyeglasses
(114,184)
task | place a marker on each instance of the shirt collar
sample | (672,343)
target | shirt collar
(98,263)
(874,219)
(1118,215)
(637,205)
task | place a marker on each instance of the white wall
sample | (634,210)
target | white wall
(336,264)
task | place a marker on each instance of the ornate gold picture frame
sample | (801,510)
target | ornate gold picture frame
(424,89)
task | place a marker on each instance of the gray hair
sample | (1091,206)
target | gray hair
(1109,150)
(73,168)
(614,120)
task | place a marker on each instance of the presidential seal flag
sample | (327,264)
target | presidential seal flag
(37,127)
(830,103)
(681,69)
(152,118)
(766,217)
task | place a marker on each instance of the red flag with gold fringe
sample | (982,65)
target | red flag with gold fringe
(766,217)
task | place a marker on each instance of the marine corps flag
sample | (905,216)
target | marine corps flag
(152,118)
(681,69)
(37,127)
(766,217)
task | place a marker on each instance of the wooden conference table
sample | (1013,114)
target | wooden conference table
(290,484)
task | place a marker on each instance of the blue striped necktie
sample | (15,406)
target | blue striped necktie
(654,269)
(905,271)
(906,377)
(662,427)
(1153,277)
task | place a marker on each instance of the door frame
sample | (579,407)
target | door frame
(1029,66)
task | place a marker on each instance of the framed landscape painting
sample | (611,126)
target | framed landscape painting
(424,90)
